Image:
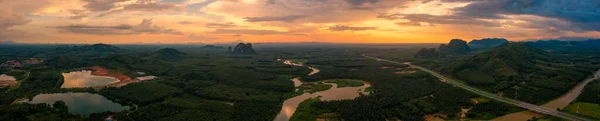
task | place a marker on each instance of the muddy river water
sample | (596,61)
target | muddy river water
(335,93)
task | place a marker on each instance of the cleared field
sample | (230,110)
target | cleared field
(584,108)
(346,82)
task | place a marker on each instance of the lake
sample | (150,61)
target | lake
(80,103)
(83,79)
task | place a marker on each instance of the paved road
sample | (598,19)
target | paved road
(525,105)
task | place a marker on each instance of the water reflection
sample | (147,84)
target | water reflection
(80,103)
(335,93)
(82,79)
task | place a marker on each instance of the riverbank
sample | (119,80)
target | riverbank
(334,93)
(559,103)
(123,79)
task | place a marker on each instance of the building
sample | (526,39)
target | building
(145,78)
(31,61)
(10,64)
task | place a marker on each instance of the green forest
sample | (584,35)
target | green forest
(201,83)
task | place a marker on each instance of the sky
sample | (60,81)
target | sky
(338,21)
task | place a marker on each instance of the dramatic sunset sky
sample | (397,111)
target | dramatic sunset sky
(342,21)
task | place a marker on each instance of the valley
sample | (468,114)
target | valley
(303,83)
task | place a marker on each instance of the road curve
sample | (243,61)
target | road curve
(521,104)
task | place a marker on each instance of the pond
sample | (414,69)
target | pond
(80,103)
(83,79)
(335,93)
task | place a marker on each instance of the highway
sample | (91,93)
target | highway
(521,104)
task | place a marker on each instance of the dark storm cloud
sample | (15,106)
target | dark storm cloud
(145,26)
(571,10)
(288,18)
(349,28)
(560,15)
(456,20)
(427,1)
(583,14)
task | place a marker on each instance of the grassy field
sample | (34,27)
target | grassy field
(312,88)
(346,82)
(584,108)
(305,112)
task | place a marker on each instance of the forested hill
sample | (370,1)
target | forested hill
(168,54)
(96,49)
(504,60)
(486,43)
(519,67)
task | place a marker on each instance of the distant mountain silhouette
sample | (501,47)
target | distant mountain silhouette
(506,61)
(168,54)
(212,47)
(242,48)
(91,50)
(117,59)
(427,53)
(456,46)
(487,43)
(65,62)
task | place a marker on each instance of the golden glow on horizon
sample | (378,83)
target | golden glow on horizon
(223,21)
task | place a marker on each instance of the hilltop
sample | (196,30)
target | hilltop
(168,54)
(242,48)
(91,50)
(486,43)
(518,70)
(454,47)
(505,60)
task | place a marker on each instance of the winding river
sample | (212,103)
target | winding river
(335,93)
(560,102)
